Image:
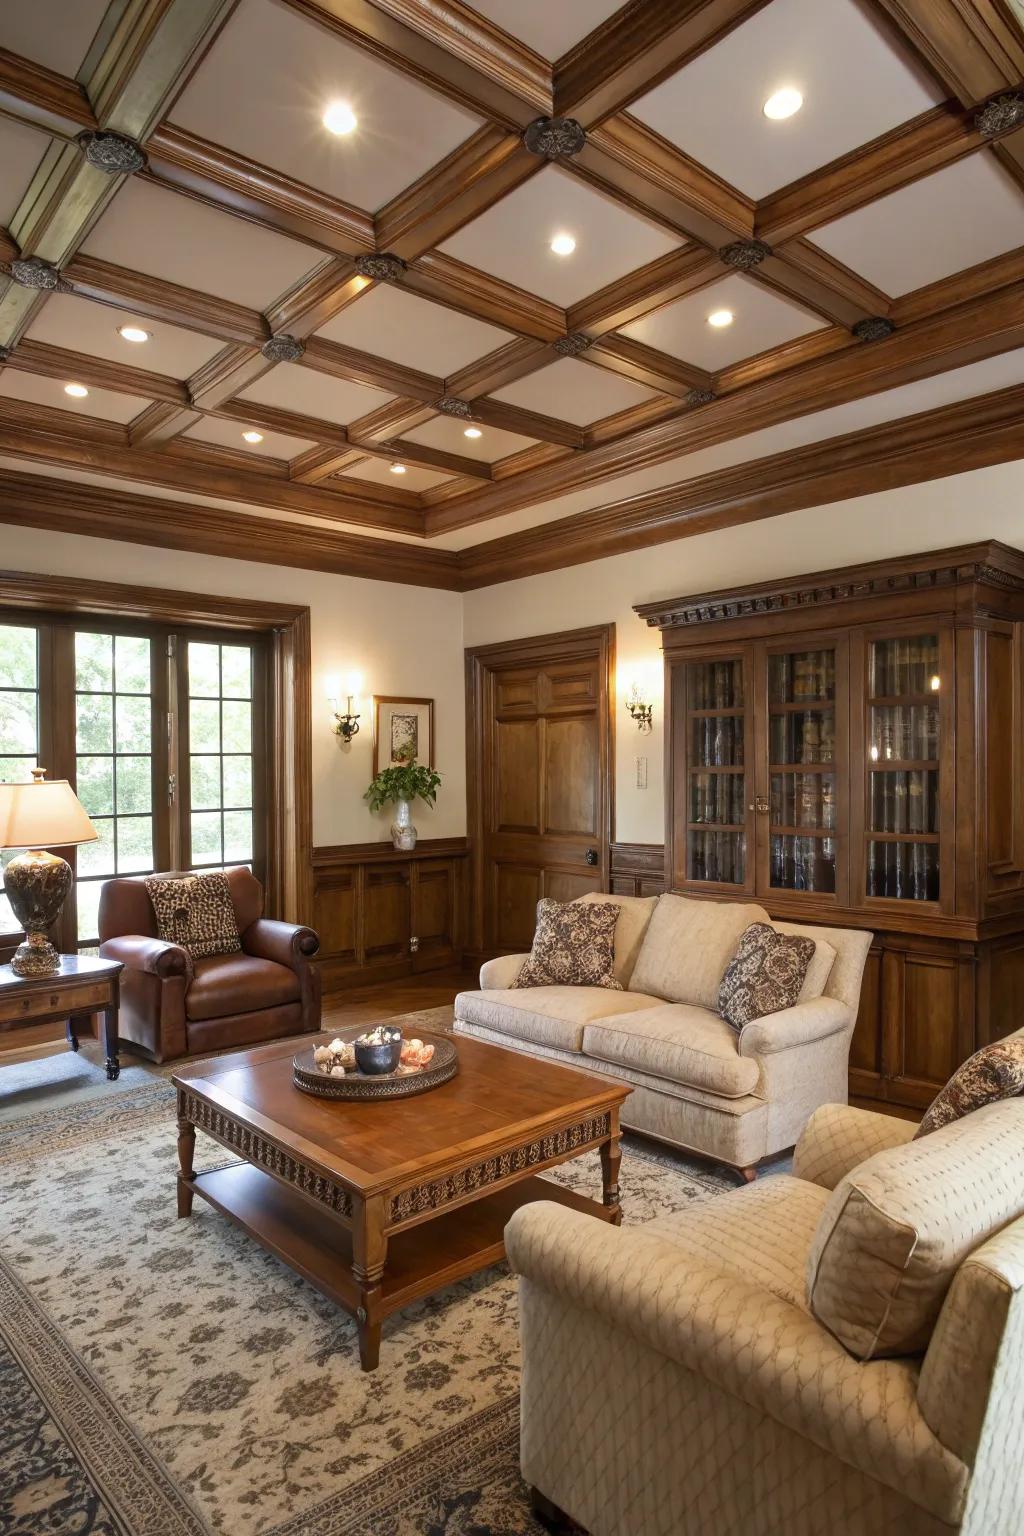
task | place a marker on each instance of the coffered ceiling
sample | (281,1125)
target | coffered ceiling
(560,286)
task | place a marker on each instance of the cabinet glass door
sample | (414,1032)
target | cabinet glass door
(903,766)
(802,770)
(716,783)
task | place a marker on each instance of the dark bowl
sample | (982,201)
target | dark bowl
(376,1060)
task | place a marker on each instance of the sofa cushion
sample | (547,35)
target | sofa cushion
(195,912)
(820,968)
(897,1228)
(764,975)
(226,984)
(549,1016)
(688,945)
(994,1072)
(762,1233)
(573,946)
(687,1045)
(634,916)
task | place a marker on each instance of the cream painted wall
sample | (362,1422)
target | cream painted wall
(986,503)
(404,640)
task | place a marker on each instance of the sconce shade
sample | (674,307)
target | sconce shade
(44,814)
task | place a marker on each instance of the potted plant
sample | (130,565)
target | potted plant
(399,785)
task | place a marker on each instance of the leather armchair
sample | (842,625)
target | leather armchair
(172,1005)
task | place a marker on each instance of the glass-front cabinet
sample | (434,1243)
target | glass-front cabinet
(814,769)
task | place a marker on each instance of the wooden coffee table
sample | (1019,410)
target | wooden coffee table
(378,1204)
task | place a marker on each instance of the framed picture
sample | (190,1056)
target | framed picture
(402,729)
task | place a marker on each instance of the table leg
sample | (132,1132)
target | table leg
(69,1030)
(369,1256)
(110,1042)
(186,1155)
(611,1157)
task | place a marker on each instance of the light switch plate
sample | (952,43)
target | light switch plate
(641,773)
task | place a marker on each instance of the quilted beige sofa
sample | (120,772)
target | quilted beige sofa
(679,1379)
(697,1084)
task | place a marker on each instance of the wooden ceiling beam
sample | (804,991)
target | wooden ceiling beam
(478,294)
(151,50)
(636,49)
(406,451)
(972,46)
(500,368)
(52,362)
(36,501)
(30,93)
(154,298)
(160,423)
(375,372)
(641,292)
(971,331)
(30,431)
(812,277)
(954,438)
(646,365)
(461,55)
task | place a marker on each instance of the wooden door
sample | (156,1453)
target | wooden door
(540,766)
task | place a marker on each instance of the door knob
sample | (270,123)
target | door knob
(591,855)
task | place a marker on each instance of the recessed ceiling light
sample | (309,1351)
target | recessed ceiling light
(132,333)
(77,391)
(398,469)
(472,432)
(339,118)
(563,245)
(783,103)
(253,437)
(720,317)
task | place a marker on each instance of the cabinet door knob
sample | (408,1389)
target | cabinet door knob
(762,806)
(591,855)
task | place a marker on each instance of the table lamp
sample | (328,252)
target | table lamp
(45,813)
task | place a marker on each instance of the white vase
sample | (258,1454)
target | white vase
(403,833)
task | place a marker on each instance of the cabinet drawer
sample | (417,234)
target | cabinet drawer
(57,999)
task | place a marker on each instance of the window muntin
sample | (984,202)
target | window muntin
(221,754)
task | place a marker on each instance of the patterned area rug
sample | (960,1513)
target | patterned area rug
(169,1378)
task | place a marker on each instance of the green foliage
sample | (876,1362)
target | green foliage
(406,781)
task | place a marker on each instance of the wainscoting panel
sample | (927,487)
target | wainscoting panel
(382,914)
(638,869)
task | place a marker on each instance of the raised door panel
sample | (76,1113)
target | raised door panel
(433,904)
(386,914)
(866,1045)
(334,915)
(567,885)
(516,692)
(931,1031)
(516,891)
(571,776)
(517,806)
(569,687)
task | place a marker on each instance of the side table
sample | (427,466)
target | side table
(83,985)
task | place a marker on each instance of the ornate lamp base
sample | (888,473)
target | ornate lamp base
(35,957)
(37,885)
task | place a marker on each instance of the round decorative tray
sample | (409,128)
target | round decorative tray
(391,1085)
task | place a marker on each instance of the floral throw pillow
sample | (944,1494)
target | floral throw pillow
(764,975)
(574,946)
(994,1072)
(195,912)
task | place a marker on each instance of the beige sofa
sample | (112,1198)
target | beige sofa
(698,1084)
(700,1375)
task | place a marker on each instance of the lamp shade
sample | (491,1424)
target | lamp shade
(44,814)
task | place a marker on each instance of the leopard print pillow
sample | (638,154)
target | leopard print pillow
(195,912)
(574,946)
(764,975)
(994,1072)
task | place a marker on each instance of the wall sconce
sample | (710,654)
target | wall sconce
(347,725)
(641,712)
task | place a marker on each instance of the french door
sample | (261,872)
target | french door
(162,734)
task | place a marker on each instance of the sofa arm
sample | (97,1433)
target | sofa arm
(837,1137)
(751,1344)
(501,972)
(289,944)
(138,952)
(799,1025)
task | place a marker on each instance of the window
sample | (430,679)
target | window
(132,714)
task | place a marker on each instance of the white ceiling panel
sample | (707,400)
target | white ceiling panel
(762,319)
(450,435)
(939,225)
(854,83)
(294,388)
(379,471)
(228,434)
(549,27)
(81,326)
(21,150)
(265,85)
(101,403)
(574,391)
(512,240)
(405,329)
(56,33)
(168,235)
